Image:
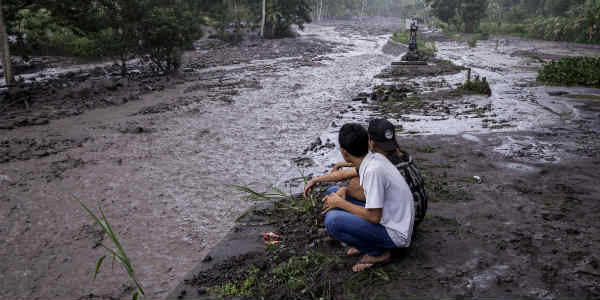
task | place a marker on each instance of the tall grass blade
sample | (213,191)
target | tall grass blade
(98,265)
(119,255)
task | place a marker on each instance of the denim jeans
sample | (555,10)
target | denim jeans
(355,231)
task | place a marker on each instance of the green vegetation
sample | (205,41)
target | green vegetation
(238,289)
(580,70)
(301,272)
(477,86)
(122,29)
(119,255)
(472,43)
(323,9)
(281,199)
(457,15)
(559,20)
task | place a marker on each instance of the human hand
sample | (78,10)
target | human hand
(331,201)
(309,186)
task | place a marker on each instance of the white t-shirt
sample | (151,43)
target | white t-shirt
(385,188)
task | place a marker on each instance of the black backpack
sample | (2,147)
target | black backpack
(411,174)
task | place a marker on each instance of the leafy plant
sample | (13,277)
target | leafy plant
(579,70)
(119,255)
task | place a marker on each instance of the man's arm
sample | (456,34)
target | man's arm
(340,165)
(372,215)
(329,177)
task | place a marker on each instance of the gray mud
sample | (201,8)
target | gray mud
(162,164)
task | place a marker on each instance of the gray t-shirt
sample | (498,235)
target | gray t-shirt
(385,188)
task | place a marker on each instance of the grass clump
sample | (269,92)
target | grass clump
(300,273)
(581,70)
(477,86)
(241,289)
(472,42)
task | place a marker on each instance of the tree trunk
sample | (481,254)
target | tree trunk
(264,18)
(9,77)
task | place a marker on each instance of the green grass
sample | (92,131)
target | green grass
(291,202)
(580,70)
(119,254)
(237,289)
(300,272)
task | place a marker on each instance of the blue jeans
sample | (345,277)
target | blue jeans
(355,231)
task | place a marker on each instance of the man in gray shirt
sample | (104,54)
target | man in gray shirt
(386,219)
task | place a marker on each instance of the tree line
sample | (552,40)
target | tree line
(324,9)
(159,30)
(563,20)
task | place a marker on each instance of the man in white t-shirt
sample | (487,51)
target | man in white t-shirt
(386,220)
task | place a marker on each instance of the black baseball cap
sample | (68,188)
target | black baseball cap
(382,132)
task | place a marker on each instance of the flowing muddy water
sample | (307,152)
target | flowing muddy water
(165,179)
(517,104)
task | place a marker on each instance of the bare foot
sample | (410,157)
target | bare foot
(367,262)
(352,252)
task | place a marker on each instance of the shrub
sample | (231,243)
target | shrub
(579,70)
(472,42)
(167,31)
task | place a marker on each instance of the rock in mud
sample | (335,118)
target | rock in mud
(391,93)
(135,128)
(558,93)
(57,168)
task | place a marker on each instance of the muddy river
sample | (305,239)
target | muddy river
(165,179)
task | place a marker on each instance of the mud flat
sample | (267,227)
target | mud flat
(160,155)
(162,163)
(520,228)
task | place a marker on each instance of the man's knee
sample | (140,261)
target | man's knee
(332,221)
(332,189)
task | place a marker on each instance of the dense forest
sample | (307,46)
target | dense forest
(563,20)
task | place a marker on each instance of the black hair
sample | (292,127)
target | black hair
(354,139)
